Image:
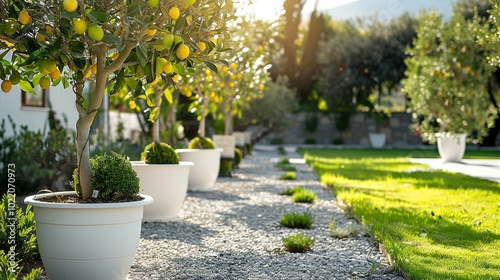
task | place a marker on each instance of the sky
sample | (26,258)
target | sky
(344,9)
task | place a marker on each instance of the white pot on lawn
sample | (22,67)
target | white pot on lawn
(204,173)
(377,140)
(87,240)
(451,147)
(167,184)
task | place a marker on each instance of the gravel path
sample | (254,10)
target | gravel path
(234,232)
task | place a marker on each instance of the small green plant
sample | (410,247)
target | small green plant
(289,176)
(281,150)
(297,220)
(17,238)
(305,196)
(226,166)
(238,156)
(201,143)
(298,243)
(284,164)
(113,178)
(159,153)
(291,191)
(284,160)
(350,230)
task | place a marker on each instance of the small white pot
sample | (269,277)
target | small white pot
(377,140)
(451,147)
(167,184)
(87,240)
(205,171)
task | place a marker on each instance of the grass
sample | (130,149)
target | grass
(434,224)
(291,191)
(304,196)
(297,220)
(284,164)
(298,243)
(289,176)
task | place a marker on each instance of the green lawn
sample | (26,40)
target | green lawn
(434,225)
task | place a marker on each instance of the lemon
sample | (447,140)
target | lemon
(70,5)
(174,13)
(167,67)
(182,51)
(40,37)
(93,68)
(55,74)
(151,32)
(95,32)
(190,2)
(49,30)
(6,86)
(24,17)
(44,82)
(80,26)
(132,105)
(201,45)
(175,78)
(152,4)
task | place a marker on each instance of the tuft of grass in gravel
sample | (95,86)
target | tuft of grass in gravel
(433,224)
(289,176)
(298,243)
(304,196)
(350,230)
(297,220)
(291,191)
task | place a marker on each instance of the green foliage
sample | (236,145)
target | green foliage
(277,141)
(159,153)
(298,243)
(284,164)
(448,76)
(310,141)
(201,143)
(281,150)
(41,159)
(297,220)
(238,156)
(304,196)
(113,176)
(22,227)
(289,176)
(291,191)
(226,166)
(445,223)
(311,122)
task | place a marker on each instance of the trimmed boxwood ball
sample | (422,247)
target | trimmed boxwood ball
(159,153)
(226,166)
(201,143)
(237,156)
(113,176)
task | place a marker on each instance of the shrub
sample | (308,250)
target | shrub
(159,153)
(291,191)
(304,196)
(289,176)
(298,243)
(41,160)
(297,220)
(226,166)
(310,141)
(311,122)
(201,143)
(277,141)
(113,176)
(26,248)
(281,150)
(237,156)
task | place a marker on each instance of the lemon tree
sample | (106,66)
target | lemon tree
(118,48)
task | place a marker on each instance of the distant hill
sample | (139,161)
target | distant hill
(386,9)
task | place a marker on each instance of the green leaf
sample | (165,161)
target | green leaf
(138,89)
(142,53)
(179,69)
(111,39)
(120,82)
(133,10)
(212,66)
(26,86)
(96,16)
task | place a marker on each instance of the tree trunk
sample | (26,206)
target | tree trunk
(203,114)
(156,123)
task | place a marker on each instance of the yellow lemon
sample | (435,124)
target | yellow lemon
(175,78)
(174,13)
(70,5)
(201,45)
(55,74)
(152,4)
(6,86)
(182,51)
(132,105)
(44,82)
(80,26)
(40,37)
(93,68)
(151,32)
(49,30)
(24,17)
(167,67)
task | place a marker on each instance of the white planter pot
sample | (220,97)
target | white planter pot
(451,147)
(87,240)
(167,184)
(226,143)
(204,173)
(377,140)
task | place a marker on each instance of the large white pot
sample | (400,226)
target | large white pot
(451,147)
(377,140)
(167,184)
(87,240)
(204,173)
